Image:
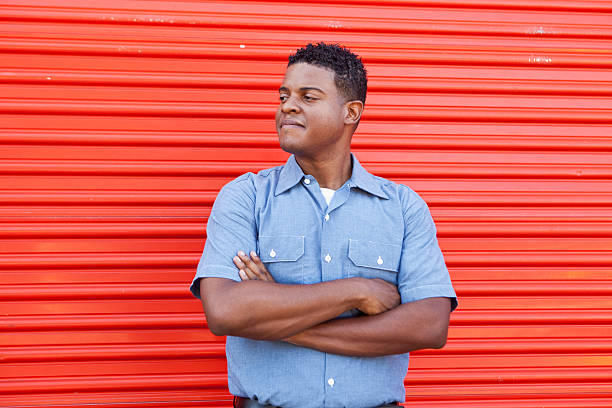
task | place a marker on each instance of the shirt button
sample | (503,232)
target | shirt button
(327,258)
(331,382)
(379,261)
(272,254)
(326,217)
(306,181)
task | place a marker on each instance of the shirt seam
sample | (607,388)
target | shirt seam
(217,266)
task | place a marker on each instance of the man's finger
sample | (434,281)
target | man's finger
(243,266)
(258,267)
(243,261)
(257,260)
(264,271)
(251,266)
(249,273)
(243,275)
(238,262)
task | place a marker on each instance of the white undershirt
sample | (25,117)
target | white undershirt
(328,193)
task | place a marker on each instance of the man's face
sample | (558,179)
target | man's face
(310,117)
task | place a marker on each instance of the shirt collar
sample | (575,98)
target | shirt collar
(289,176)
(292,173)
(362,179)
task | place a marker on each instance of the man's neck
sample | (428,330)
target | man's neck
(330,172)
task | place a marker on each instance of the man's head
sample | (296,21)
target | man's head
(349,74)
(321,100)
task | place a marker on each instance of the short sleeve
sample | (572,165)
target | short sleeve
(423,273)
(231,227)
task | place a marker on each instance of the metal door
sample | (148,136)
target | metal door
(121,120)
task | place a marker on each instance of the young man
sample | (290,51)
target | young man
(322,276)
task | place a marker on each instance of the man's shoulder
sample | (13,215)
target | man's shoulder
(249,183)
(403,196)
(402,192)
(241,184)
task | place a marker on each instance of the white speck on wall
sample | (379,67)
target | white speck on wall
(242,46)
(539,59)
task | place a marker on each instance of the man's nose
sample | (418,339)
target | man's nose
(290,106)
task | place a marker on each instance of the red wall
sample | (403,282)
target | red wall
(121,120)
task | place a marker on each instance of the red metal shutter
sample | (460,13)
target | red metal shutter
(121,120)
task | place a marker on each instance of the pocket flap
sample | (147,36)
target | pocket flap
(375,254)
(281,248)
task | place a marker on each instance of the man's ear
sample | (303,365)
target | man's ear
(353,112)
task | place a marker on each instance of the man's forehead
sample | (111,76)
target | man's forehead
(304,75)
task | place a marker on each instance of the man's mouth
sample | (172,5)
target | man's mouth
(290,123)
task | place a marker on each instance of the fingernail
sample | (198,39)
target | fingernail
(242,274)
(253,254)
(241,253)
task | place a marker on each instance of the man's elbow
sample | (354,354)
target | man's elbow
(439,338)
(438,334)
(220,316)
(221,319)
(225,325)
(218,325)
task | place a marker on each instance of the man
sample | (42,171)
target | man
(322,276)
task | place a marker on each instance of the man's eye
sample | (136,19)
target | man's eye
(283,98)
(309,98)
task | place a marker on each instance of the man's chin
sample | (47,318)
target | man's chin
(290,145)
(289,148)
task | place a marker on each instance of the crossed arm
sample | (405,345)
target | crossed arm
(259,308)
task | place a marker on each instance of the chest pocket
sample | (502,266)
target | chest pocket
(369,259)
(283,256)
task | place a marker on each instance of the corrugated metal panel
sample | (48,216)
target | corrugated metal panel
(122,119)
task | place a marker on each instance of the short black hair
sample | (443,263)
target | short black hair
(350,75)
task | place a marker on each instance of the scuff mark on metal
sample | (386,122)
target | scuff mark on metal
(539,30)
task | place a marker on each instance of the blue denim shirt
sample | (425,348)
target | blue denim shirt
(373,228)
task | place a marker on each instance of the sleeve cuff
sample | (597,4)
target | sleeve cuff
(212,271)
(429,291)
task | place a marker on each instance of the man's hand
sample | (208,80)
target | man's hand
(251,267)
(380,296)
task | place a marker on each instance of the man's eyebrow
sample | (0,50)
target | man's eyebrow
(311,88)
(304,88)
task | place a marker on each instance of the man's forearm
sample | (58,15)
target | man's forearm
(408,327)
(272,311)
